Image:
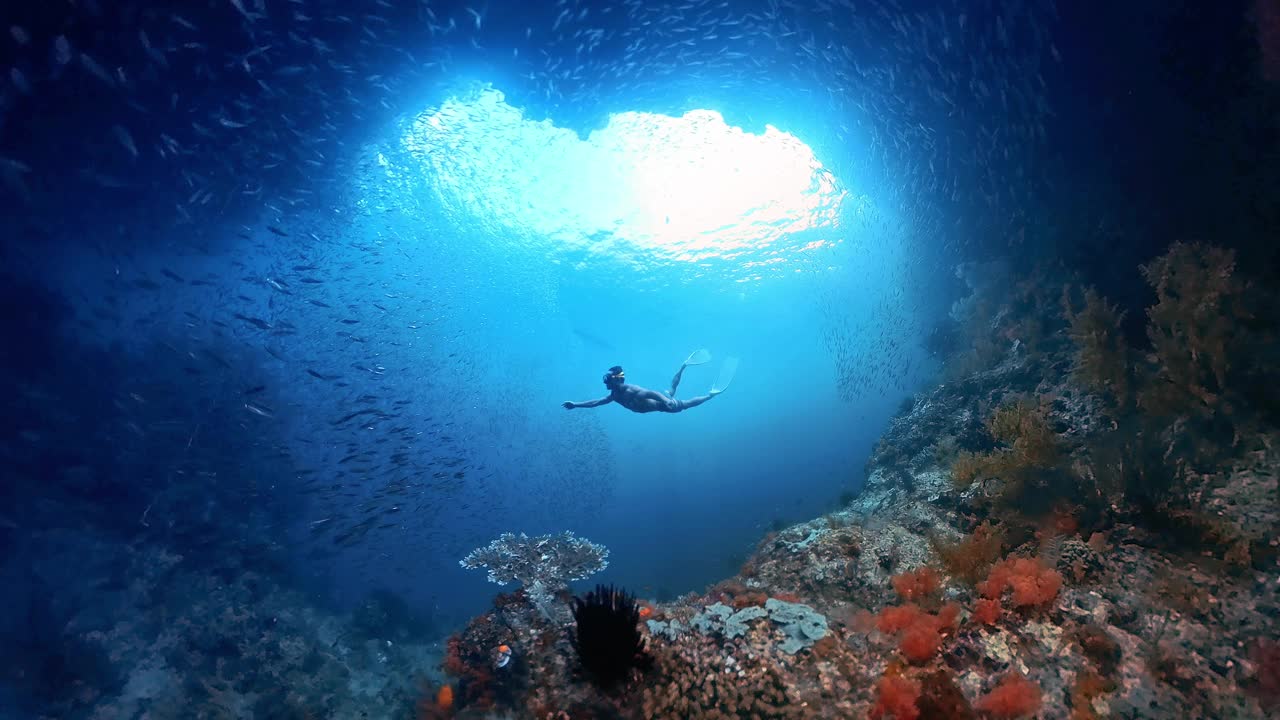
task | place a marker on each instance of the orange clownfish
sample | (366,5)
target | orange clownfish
(645,612)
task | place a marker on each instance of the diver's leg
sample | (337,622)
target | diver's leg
(678,405)
(675,381)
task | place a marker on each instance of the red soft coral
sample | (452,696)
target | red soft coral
(919,632)
(1014,697)
(1032,583)
(917,584)
(986,612)
(897,698)
(895,619)
(920,642)
(949,617)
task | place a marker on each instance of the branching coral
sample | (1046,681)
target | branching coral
(543,565)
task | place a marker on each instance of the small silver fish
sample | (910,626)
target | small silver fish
(126,140)
(96,70)
(19,81)
(257,410)
(62,50)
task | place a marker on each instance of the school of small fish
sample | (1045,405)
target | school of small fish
(253,109)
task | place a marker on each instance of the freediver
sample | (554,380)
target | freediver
(643,400)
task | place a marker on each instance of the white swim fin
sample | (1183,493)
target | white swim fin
(698,357)
(727,371)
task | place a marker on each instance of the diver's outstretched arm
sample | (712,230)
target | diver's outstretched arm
(570,405)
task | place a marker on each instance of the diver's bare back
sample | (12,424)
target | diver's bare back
(638,399)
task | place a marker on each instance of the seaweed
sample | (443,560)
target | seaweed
(1027,446)
(1192,329)
(970,558)
(1102,355)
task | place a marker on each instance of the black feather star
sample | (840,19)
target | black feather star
(608,636)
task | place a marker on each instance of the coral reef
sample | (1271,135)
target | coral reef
(183,642)
(1033,539)
(1069,527)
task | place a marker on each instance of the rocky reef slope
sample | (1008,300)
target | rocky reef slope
(1065,528)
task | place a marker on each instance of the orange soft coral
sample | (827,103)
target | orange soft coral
(1031,582)
(897,698)
(1014,697)
(917,584)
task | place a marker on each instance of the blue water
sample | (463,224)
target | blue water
(300,290)
(480,331)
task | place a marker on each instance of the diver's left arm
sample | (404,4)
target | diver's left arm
(570,405)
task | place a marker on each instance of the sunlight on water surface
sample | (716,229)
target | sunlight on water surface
(645,187)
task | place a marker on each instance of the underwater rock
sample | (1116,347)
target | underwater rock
(1108,615)
(227,650)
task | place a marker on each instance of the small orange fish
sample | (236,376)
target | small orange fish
(444,698)
(645,612)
